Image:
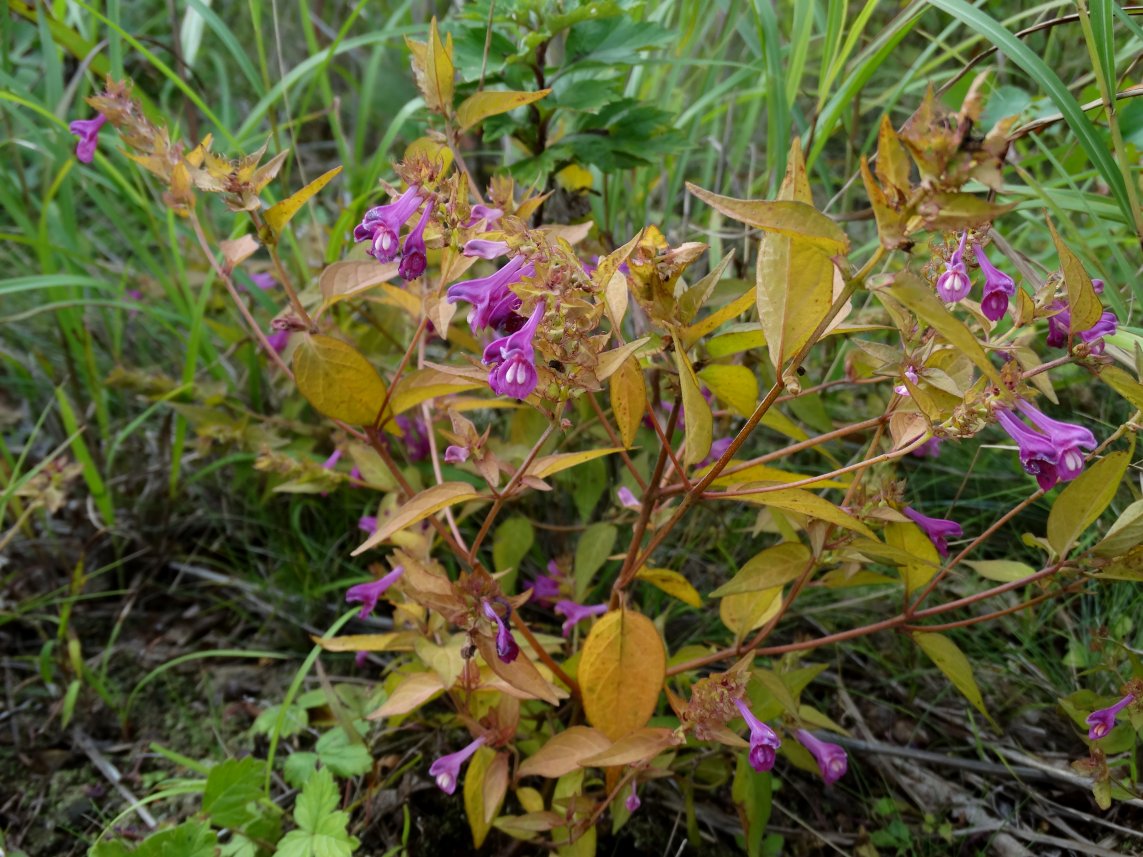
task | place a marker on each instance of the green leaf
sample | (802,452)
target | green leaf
(591,552)
(751,792)
(951,661)
(1084,500)
(299,767)
(189,839)
(296,720)
(700,423)
(1125,534)
(510,544)
(322,828)
(1027,59)
(733,385)
(1001,570)
(587,483)
(1122,382)
(910,539)
(775,566)
(281,213)
(342,755)
(231,787)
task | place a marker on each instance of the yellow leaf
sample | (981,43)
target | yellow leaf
(487,767)
(699,422)
(733,385)
(563,752)
(892,161)
(346,279)
(418,508)
(628,399)
(1083,302)
(574,178)
(1001,570)
(951,661)
(771,568)
(890,223)
(394,641)
(1084,500)
(337,379)
(795,291)
(805,503)
(610,361)
(795,183)
(784,217)
(479,106)
(521,673)
(1125,533)
(430,150)
(549,465)
(621,671)
(637,746)
(692,300)
(1122,382)
(908,537)
(420,385)
(738,338)
(672,583)
(414,691)
(716,319)
(280,213)
(762,473)
(922,300)
(743,613)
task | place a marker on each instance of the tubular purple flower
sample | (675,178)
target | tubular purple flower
(931,448)
(263,280)
(456,454)
(1106,326)
(367,524)
(1038,455)
(491,298)
(627,498)
(506,648)
(546,587)
(633,803)
(763,740)
(88,132)
(482,248)
(484,212)
(832,760)
(366,594)
(910,373)
(998,287)
(576,613)
(331,462)
(513,359)
(1068,440)
(416,436)
(1103,721)
(382,225)
(360,658)
(278,340)
(939,530)
(446,769)
(1059,325)
(717,448)
(413,259)
(954,285)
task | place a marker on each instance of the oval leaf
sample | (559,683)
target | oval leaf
(621,672)
(481,105)
(672,583)
(563,752)
(640,745)
(951,661)
(1084,500)
(628,399)
(735,386)
(773,567)
(414,691)
(337,379)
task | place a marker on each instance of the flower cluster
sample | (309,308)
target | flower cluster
(382,226)
(1053,450)
(954,285)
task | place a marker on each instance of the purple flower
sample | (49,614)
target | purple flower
(931,448)
(278,340)
(576,613)
(716,450)
(88,132)
(506,648)
(263,280)
(627,498)
(482,248)
(484,212)
(910,373)
(360,658)
(355,473)
(763,740)
(632,803)
(331,462)
(546,587)
(366,594)
(998,287)
(1038,455)
(447,768)
(1059,325)
(382,225)
(939,530)
(491,298)
(367,524)
(416,436)
(413,260)
(954,285)
(513,359)
(1103,720)
(1067,439)
(832,761)
(456,454)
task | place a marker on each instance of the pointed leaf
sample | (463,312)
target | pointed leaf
(549,465)
(951,661)
(795,291)
(672,583)
(1083,302)
(784,217)
(733,385)
(699,430)
(610,361)
(563,752)
(479,106)
(637,746)
(1083,501)
(418,508)
(621,671)
(628,399)
(768,569)
(280,213)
